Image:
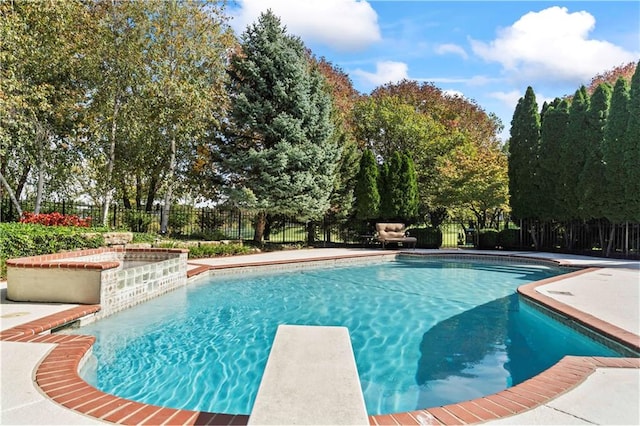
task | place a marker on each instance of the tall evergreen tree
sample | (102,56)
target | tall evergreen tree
(408,188)
(523,154)
(552,132)
(591,185)
(367,204)
(632,150)
(391,199)
(573,154)
(278,152)
(384,188)
(613,153)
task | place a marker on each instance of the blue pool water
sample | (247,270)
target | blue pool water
(424,333)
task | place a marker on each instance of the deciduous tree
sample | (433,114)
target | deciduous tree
(43,53)
(184,56)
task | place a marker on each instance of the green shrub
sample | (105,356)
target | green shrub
(138,220)
(509,238)
(207,250)
(487,238)
(430,238)
(143,237)
(210,250)
(178,218)
(22,240)
(209,235)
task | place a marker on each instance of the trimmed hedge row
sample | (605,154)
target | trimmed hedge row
(492,238)
(429,238)
(209,250)
(21,240)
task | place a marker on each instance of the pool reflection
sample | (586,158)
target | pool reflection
(502,343)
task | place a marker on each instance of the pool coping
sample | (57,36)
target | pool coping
(58,378)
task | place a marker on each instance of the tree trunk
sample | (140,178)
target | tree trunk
(41,139)
(12,196)
(571,233)
(168,195)
(23,181)
(261,222)
(311,232)
(139,191)
(533,231)
(612,234)
(108,190)
(151,194)
(126,203)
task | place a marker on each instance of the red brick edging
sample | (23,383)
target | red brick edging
(57,376)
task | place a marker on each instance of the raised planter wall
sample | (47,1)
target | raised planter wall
(115,278)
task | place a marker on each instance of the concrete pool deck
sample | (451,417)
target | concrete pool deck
(586,391)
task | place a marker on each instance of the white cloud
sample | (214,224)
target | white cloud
(386,71)
(347,25)
(444,49)
(552,44)
(453,93)
(476,80)
(510,99)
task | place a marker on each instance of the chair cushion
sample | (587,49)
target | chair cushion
(390,227)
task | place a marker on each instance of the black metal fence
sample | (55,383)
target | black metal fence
(595,237)
(599,238)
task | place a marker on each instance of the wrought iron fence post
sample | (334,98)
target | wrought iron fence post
(626,238)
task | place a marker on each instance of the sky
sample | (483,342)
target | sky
(486,51)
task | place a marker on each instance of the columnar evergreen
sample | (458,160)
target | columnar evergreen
(573,154)
(613,152)
(588,163)
(398,187)
(391,198)
(367,197)
(384,189)
(552,132)
(591,185)
(408,187)
(523,154)
(632,150)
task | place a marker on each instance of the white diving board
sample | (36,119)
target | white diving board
(310,378)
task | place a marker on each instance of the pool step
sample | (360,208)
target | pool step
(310,378)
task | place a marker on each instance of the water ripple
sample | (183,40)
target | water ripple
(424,333)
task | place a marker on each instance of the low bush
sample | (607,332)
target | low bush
(429,238)
(144,237)
(25,239)
(177,220)
(209,235)
(138,220)
(487,239)
(509,238)
(209,250)
(55,219)
(200,251)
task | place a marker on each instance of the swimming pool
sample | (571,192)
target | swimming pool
(425,333)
